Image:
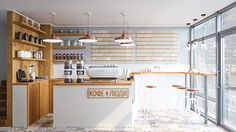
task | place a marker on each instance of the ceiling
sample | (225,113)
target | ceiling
(140,13)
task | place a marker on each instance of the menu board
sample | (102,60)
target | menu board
(108,93)
(150,47)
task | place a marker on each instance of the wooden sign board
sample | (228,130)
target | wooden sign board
(108,93)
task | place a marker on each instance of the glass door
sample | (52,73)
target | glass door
(229,81)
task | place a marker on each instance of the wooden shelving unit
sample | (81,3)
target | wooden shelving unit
(28,43)
(70,34)
(28,27)
(42,66)
(28,59)
(69,47)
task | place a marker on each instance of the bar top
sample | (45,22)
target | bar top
(27,83)
(190,73)
(118,82)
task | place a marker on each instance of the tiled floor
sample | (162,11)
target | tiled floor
(161,121)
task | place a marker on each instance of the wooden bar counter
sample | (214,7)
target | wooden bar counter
(93,104)
(118,82)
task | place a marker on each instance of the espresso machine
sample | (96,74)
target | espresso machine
(80,69)
(68,71)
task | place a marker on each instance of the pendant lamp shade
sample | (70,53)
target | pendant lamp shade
(129,44)
(52,38)
(124,38)
(88,38)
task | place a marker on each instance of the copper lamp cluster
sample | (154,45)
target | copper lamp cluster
(123,40)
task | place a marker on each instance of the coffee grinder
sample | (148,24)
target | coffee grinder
(68,71)
(80,69)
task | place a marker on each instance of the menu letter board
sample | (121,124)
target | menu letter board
(108,93)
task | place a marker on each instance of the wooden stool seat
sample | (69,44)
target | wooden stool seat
(151,86)
(176,85)
(192,90)
(181,87)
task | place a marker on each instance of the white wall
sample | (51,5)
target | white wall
(182,59)
(3,44)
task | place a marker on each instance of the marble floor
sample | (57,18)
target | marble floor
(161,121)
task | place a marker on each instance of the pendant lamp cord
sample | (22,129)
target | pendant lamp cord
(88,23)
(127,30)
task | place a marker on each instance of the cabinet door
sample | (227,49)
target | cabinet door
(33,103)
(44,98)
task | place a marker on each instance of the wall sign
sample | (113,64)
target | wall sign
(108,93)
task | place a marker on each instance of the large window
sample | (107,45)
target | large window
(229,18)
(206,28)
(229,89)
(205,61)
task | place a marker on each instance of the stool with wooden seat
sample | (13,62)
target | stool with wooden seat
(180,96)
(151,87)
(192,102)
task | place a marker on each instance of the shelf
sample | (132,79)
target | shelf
(111,52)
(105,44)
(137,52)
(62,60)
(156,56)
(156,33)
(113,56)
(29,43)
(111,33)
(156,49)
(28,59)
(112,49)
(156,44)
(26,26)
(156,37)
(70,34)
(69,47)
(111,60)
(155,60)
(156,41)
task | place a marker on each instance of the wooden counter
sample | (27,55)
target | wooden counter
(118,82)
(190,73)
(28,83)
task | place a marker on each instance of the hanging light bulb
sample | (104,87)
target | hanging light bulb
(188,46)
(88,38)
(52,38)
(123,38)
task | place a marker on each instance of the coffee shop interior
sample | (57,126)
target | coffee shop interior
(109,65)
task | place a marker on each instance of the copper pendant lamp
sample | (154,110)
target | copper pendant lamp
(88,38)
(128,44)
(123,38)
(52,38)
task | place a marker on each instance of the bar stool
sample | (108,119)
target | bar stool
(192,102)
(180,95)
(148,111)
